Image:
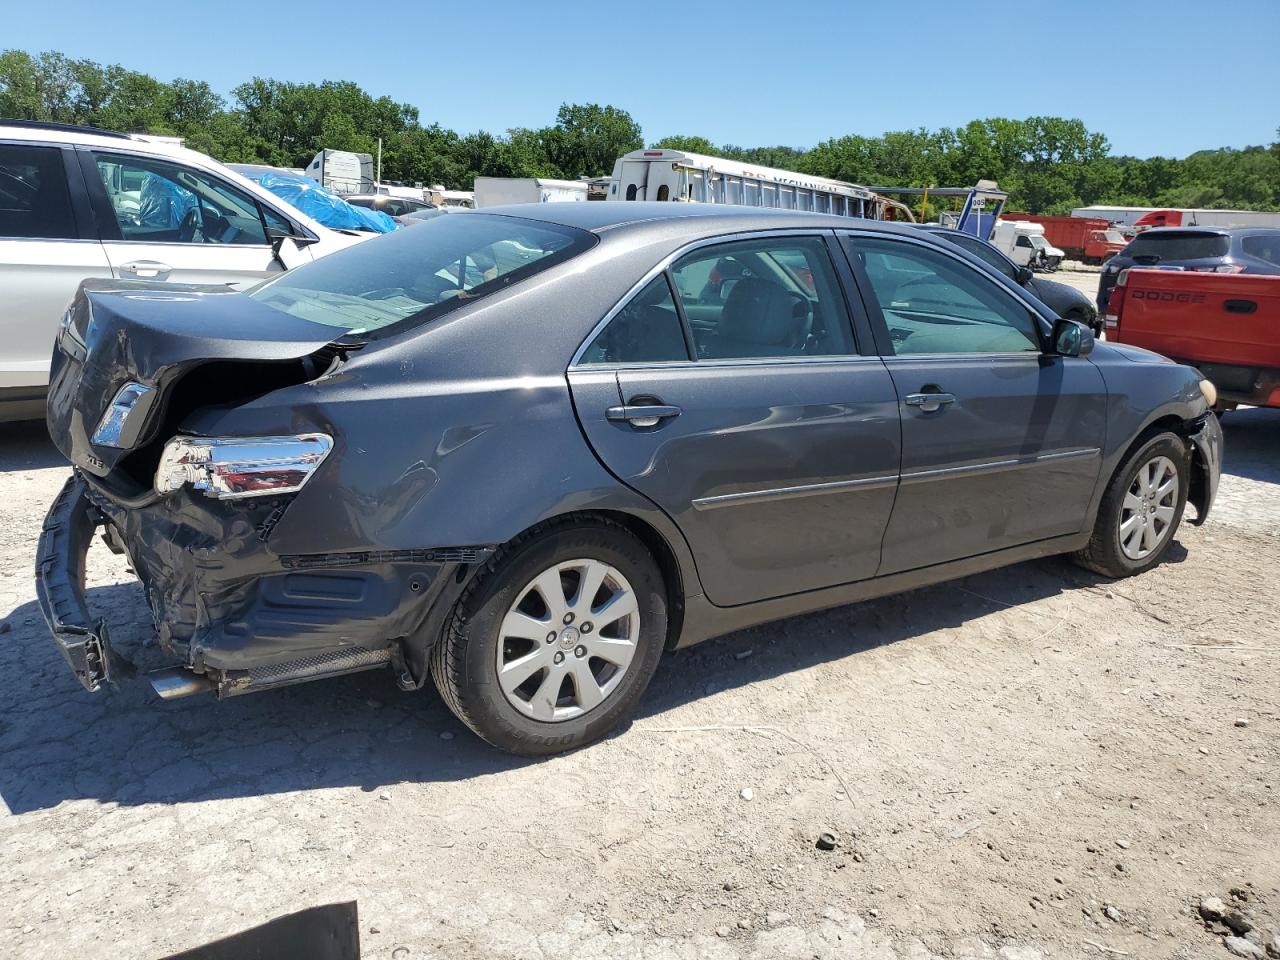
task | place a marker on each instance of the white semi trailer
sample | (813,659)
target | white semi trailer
(498,191)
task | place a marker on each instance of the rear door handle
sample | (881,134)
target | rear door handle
(146,269)
(642,414)
(929,402)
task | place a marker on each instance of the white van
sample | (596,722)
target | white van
(76,202)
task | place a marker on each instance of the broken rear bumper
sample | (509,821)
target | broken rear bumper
(234,613)
(60,558)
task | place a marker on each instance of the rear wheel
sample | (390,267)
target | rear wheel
(556,640)
(1141,509)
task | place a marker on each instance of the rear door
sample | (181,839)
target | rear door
(47,246)
(757,425)
(169,221)
(635,180)
(1001,442)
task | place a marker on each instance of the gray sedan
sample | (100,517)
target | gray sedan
(522,453)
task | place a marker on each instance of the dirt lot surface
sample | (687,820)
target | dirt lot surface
(1030,763)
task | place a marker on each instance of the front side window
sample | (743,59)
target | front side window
(159,202)
(776,297)
(983,251)
(34,202)
(413,276)
(934,304)
(646,330)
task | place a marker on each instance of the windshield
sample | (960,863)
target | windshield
(1038,242)
(1156,245)
(402,279)
(1114,236)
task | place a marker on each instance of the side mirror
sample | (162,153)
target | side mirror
(1022,275)
(1072,338)
(288,252)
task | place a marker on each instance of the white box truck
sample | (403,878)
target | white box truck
(1024,243)
(341,172)
(498,191)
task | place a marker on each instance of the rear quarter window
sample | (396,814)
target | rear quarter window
(1179,245)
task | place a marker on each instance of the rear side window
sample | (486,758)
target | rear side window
(1264,247)
(409,277)
(34,201)
(1156,246)
(775,297)
(646,330)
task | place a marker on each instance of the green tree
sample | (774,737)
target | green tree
(588,138)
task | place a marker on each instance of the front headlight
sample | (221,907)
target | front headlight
(1209,392)
(230,467)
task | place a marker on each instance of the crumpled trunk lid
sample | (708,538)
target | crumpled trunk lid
(186,346)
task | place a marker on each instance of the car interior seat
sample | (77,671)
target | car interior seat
(761,319)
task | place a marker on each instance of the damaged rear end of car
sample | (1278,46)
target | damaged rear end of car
(269,462)
(194,512)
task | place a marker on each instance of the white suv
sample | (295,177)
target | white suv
(76,202)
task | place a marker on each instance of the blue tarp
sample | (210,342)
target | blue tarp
(321,205)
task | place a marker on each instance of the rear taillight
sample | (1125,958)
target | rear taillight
(228,468)
(1220,268)
(1115,302)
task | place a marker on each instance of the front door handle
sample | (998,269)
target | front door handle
(146,269)
(929,402)
(642,414)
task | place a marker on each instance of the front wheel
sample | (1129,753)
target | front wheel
(556,639)
(1140,510)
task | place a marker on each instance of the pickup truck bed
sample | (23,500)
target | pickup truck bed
(1227,325)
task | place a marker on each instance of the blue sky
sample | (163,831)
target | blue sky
(1167,77)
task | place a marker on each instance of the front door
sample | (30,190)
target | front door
(1000,441)
(755,425)
(171,222)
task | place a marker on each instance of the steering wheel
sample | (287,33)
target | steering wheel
(190,224)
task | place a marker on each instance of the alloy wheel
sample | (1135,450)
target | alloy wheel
(1146,515)
(567,640)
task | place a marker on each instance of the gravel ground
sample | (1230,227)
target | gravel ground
(1030,763)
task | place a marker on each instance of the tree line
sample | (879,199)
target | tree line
(1047,164)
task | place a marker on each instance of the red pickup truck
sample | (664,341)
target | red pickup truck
(1226,325)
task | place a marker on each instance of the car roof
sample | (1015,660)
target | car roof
(601,216)
(89,136)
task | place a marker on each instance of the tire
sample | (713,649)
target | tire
(553,710)
(1112,551)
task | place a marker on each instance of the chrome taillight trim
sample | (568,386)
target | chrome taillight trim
(232,468)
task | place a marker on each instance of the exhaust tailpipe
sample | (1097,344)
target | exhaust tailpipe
(175,683)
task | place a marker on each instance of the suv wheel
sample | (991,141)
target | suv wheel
(1140,510)
(555,640)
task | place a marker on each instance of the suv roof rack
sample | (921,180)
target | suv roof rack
(65,127)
